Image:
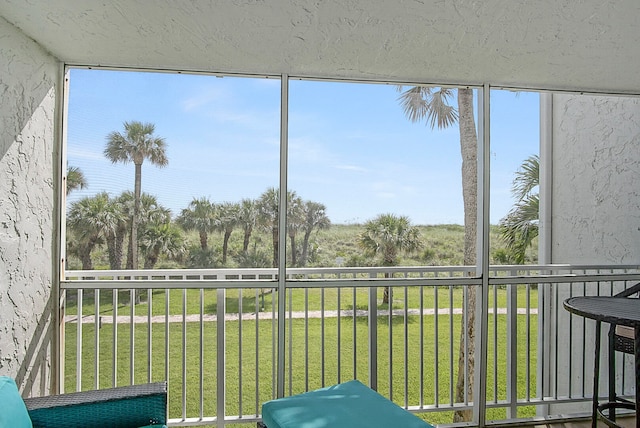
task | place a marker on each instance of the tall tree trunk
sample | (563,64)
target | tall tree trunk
(111,250)
(129,263)
(292,239)
(151,260)
(247,237)
(225,246)
(121,233)
(305,248)
(136,215)
(274,238)
(85,257)
(469,150)
(204,239)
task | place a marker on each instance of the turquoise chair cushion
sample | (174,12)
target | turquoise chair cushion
(346,405)
(13,412)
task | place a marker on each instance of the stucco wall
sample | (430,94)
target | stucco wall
(28,78)
(595,215)
(596,179)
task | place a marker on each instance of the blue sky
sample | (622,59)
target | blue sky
(350,145)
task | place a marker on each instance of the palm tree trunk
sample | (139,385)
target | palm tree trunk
(111,250)
(294,259)
(120,235)
(469,150)
(136,214)
(204,240)
(225,246)
(247,237)
(274,237)
(305,248)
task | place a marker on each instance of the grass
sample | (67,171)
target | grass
(319,355)
(248,301)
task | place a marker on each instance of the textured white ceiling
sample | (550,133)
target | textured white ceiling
(543,44)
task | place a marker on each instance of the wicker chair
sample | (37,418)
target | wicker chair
(122,407)
(621,339)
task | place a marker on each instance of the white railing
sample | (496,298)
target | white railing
(229,339)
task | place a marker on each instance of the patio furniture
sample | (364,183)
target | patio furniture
(349,404)
(619,311)
(123,407)
(621,340)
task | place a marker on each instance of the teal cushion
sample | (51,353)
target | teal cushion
(13,412)
(347,405)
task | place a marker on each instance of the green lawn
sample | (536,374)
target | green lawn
(246,301)
(307,358)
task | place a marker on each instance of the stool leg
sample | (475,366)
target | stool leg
(612,372)
(596,378)
(636,352)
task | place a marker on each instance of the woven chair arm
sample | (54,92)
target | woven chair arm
(122,407)
(629,291)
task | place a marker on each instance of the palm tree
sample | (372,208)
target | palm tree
(315,217)
(201,217)
(75,179)
(135,145)
(519,227)
(433,105)
(268,217)
(247,220)
(149,212)
(115,235)
(226,221)
(162,238)
(90,219)
(387,236)
(295,221)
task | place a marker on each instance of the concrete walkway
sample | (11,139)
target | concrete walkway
(160,319)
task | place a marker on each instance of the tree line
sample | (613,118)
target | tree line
(101,220)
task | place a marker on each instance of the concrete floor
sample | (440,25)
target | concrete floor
(627,422)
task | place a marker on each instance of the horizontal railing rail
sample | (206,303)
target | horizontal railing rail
(213,335)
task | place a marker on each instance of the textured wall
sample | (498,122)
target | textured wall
(27,90)
(595,215)
(596,180)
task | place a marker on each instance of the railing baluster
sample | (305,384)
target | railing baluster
(512,350)
(406,348)
(436,347)
(495,344)
(306,339)
(339,339)
(149,335)
(373,336)
(451,356)
(184,354)
(257,355)
(132,326)
(79,341)
(114,375)
(240,351)
(221,372)
(98,325)
(201,358)
(390,335)
(290,348)
(354,321)
(322,340)
(528,350)
(166,333)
